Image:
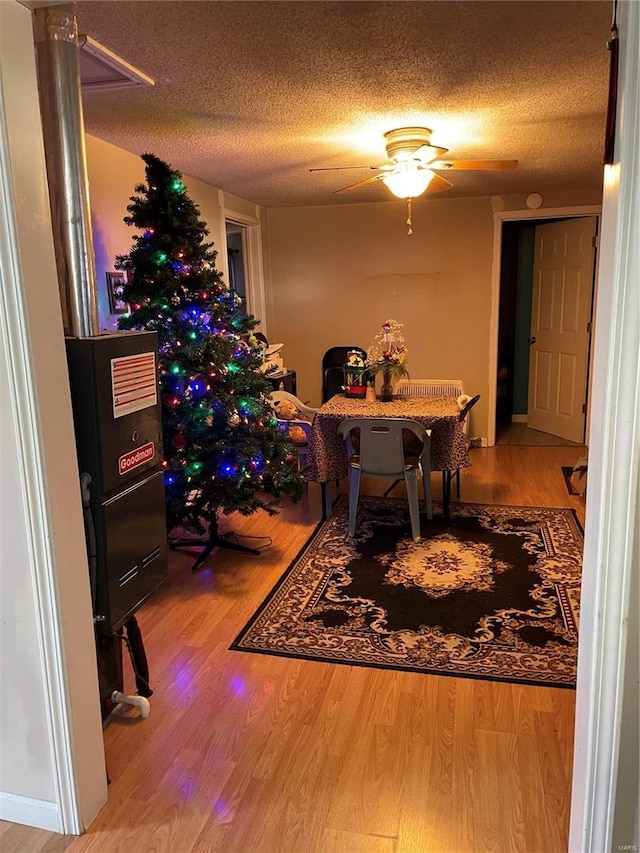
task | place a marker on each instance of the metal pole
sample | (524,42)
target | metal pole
(56,38)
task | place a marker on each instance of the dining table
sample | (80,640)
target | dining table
(439,414)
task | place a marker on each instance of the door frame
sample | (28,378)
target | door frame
(252,258)
(499,218)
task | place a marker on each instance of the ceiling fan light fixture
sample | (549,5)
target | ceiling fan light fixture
(407,181)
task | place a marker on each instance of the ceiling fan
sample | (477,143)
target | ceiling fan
(414,164)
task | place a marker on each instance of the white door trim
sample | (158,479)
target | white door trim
(17,353)
(612,525)
(59,635)
(499,218)
(253,265)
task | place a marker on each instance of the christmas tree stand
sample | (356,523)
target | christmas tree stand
(215,540)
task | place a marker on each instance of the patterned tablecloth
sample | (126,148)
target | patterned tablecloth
(439,414)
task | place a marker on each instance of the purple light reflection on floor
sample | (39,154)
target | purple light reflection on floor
(188,788)
(182,677)
(238,686)
(222,808)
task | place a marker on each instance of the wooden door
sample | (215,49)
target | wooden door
(560,332)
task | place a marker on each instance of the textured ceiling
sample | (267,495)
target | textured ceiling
(250,95)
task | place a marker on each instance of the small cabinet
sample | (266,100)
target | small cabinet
(284,382)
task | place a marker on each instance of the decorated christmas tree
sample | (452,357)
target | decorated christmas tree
(223,449)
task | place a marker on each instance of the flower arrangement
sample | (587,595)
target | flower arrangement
(388,355)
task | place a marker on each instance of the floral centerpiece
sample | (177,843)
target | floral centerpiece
(388,355)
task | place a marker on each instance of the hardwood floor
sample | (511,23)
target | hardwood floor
(245,752)
(517,433)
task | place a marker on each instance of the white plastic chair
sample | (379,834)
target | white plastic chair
(278,396)
(303,449)
(381,454)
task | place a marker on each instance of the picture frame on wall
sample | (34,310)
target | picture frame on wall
(115,284)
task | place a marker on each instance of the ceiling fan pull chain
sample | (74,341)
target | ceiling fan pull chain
(409,223)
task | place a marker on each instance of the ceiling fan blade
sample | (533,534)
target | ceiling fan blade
(340,168)
(427,153)
(438,184)
(388,167)
(478,165)
(359,184)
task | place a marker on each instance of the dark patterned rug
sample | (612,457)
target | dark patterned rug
(493,595)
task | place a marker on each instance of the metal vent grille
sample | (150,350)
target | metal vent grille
(428,387)
(100,68)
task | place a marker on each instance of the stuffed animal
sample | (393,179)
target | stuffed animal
(297,435)
(286,410)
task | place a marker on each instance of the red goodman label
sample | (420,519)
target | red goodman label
(136,457)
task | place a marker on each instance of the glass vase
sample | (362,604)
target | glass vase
(386,392)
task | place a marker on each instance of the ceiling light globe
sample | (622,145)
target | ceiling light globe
(408,183)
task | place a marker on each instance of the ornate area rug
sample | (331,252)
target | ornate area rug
(494,594)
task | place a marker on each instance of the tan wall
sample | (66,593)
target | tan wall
(557,198)
(113,174)
(337,272)
(235,204)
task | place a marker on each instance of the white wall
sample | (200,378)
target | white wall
(604,807)
(48,667)
(26,769)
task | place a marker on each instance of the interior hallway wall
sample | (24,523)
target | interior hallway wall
(334,273)
(337,272)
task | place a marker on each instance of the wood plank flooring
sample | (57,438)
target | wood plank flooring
(246,752)
(517,433)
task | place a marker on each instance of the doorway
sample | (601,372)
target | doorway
(546,286)
(242,264)
(235,258)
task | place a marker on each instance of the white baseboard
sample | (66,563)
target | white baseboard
(519,419)
(30,812)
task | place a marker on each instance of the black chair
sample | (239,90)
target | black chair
(333,362)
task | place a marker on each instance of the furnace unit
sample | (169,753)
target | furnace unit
(117,415)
